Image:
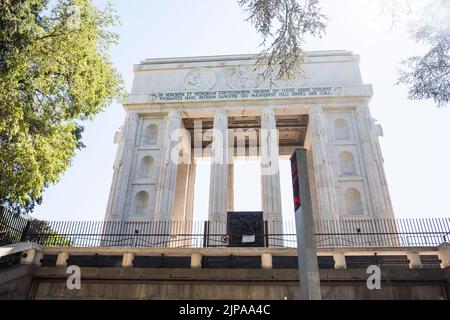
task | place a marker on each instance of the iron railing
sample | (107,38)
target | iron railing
(329,233)
(12,226)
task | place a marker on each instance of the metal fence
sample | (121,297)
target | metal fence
(329,233)
(12,227)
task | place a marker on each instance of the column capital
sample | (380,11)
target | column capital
(132,115)
(268,110)
(221,112)
(316,110)
(174,114)
(364,110)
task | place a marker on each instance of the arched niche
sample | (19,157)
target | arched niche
(354,202)
(347,164)
(141,201)
(146,167)
(341,129)
(151,134)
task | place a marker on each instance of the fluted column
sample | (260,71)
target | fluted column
(324,172)
(165,195)
(219,169)
(125,138)
(270,173)
(189,210)
(181,192)
(230,189)
(189,214)
(376,178)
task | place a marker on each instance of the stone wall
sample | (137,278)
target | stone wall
(240,284)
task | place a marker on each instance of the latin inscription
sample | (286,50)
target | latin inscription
(243,94)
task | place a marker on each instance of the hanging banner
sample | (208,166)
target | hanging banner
(295,182)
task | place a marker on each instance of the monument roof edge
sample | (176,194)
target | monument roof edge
(239,57)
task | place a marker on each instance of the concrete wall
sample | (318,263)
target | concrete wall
(15,283)
(132,283)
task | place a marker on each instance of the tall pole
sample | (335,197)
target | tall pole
(304,221)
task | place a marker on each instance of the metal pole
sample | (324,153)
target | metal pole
(306,242)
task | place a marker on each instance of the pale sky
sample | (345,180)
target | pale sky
(415,149)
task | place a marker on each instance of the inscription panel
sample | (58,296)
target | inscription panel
(243,94)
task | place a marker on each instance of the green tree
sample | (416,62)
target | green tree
(287,22)
(55,72)
(428,76)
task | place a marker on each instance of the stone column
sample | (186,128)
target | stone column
(181,192)
(270,173)
(219,168)
(189,212)
(179,211)
(165,195)
(230,188)
(125,138)
(270,178)
(324,172)
(373,160)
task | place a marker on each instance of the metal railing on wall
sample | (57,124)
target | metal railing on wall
(198,234)
(12,226)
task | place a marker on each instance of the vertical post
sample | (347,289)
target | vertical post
(165,195)
(266,234)
(25,232)
(306,242)
(323,167)
(270,174)
(218,192)
(230,187)
(373,161)
(126,141)
(205,234)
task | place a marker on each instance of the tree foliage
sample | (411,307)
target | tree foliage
(428,76)
(55,72)
(287,23)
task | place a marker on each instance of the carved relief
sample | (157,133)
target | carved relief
(118,136)
(200,79)
(338,91)
(240,78)
(118,139)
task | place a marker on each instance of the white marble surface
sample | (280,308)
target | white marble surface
(345,156)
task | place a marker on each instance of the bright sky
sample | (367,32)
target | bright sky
(415,146)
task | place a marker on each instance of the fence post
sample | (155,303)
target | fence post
(26,230)
(136,232)
(205,234)
(266,234)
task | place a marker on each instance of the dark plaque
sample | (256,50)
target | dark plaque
(246,229)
